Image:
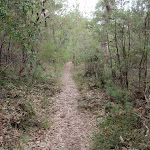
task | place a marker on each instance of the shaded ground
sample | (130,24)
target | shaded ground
(71,128)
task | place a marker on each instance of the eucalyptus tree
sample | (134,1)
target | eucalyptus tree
(123,33)
(24,25)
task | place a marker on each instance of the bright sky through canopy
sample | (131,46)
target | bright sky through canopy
(85,6)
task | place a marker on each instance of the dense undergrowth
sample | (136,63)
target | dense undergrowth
(113,48)
(121,124)
(25,105)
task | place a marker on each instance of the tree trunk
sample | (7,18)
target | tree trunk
(125,69)
(146,43)
(110,56)
(1,46)
(8,51)
(118,55)
(140,71)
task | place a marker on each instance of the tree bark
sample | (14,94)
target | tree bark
(125,69)
(110,56)
(8,51)
(1,46)
(118,55)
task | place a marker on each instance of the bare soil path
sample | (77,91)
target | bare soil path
(72,128)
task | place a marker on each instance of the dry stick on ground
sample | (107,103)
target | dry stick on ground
(144,123)
(5,67)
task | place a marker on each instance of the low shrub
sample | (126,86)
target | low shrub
(121,128)
(24,116)
(117,94)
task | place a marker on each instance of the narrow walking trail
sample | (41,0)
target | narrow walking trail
(72,128)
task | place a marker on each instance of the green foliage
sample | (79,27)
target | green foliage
(119,129)
(4,83)
(6,79)
(47,54)
(38,73)
(45,103)
(30,36)
(113,46)
(28,119)
(25,139)
(117,94)
(46,122)
(78,75)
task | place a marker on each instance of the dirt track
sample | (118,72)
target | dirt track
(72,128)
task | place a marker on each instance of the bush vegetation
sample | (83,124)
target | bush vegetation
(115,58)
(121,128)
(111,50)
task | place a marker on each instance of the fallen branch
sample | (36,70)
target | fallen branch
(147,132)
(5,68)
(144,123)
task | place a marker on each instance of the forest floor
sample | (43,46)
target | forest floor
(71,128)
